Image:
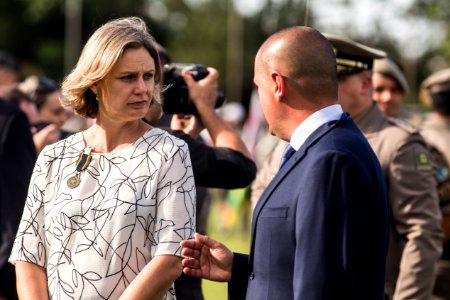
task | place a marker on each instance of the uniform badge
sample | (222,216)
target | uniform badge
(443,178)
(423,161)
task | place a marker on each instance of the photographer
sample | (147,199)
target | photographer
(226,165)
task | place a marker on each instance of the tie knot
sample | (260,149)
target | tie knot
(288,152)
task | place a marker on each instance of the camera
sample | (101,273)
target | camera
(176,93)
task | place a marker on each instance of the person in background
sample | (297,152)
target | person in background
(49,134)
(46,95)
(108,207)
(389,86)
(24,102)
(17,158)
(390,89)
(9,72)
(320,229)
(415,242)
(226,164)
(435,93)
(267,171)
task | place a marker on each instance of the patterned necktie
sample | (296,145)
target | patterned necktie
(288,152)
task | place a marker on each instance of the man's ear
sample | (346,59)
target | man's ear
(366,83)
(279,85)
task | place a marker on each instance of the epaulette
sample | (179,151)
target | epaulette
(405,125)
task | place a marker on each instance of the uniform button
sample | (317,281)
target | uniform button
(251,276)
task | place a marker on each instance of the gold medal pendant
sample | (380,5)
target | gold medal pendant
(74,181)
(81,165)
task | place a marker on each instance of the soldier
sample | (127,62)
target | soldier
(268,169)
(436,131)
(390,88)
(415,236)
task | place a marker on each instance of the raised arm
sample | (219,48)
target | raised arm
(204,94)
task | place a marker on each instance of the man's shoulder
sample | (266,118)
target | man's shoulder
(403,125)
(396,132)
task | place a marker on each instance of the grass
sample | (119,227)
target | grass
(228,225)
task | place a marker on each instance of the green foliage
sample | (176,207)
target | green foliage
(39,10)
(432,9)
(438,58)
(194,31)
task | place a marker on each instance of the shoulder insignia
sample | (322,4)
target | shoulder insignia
(443,178)
(405,125)
(423,161)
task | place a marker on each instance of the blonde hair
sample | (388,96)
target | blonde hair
(102,51)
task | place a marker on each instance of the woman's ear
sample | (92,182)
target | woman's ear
(94,88)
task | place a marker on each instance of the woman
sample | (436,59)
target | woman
(108,207)
(50,116)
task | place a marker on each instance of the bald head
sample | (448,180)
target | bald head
(305,57)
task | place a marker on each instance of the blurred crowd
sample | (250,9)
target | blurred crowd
(32,116)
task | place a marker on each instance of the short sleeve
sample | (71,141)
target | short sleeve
(176,198)
(29,244)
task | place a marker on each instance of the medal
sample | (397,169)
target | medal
(82,164)
(74,181)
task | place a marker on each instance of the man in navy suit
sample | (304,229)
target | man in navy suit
(320,229)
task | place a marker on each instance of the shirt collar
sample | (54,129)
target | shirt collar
(314,121)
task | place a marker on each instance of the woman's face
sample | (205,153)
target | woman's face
(387,93)
(126,91)
(52,111)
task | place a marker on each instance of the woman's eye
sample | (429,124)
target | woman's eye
(148,75)
(127,77)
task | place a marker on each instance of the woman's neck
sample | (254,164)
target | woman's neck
(106,139)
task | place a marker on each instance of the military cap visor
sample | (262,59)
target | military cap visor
(352,57)
(437,82)
(387,67)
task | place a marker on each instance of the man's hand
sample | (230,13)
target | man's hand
(207,258)
(203,93)
(189,124)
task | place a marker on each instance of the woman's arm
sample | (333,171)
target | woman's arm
(31,281)
(155,279)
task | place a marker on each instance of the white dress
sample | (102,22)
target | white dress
(130,206)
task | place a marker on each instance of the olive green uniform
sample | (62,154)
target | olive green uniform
(415,236)
(436,133)
(268,170)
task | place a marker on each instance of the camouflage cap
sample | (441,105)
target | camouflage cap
(352,57)
(388,68)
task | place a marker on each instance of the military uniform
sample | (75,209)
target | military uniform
(437,134)
(436,131)
(415,235)
(415,231)
(268,170)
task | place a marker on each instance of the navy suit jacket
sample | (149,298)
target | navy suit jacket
(320,229)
